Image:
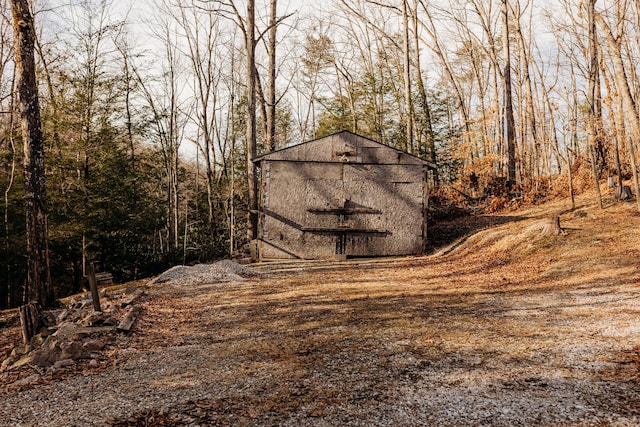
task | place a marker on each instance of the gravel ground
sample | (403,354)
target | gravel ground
(462,339)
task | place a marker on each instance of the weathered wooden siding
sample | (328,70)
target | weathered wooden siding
(344,146)
(306,187)
(286,195)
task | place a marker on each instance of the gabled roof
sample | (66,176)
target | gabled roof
(344,146)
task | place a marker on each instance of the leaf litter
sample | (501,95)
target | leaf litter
(506,328)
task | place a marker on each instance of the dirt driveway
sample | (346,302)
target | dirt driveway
(475,336)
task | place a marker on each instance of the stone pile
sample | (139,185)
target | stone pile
(202,274)
(75,332)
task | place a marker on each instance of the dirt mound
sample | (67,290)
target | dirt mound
(202,274)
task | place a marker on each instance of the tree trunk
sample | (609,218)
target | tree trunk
(252,178)
(5,289)
(571,191)
(426,122)
(622,83)
(439,50)
(552,227)
(594,172)
(39,287)
(93,287)
(509,125)
(407,78)
(529,107)
(271,84)
(591,98)
(30,320)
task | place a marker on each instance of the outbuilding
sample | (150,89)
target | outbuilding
(342,196)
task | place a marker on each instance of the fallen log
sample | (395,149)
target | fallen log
(132,297)
(129,318)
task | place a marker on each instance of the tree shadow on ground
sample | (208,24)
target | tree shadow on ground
(443,233)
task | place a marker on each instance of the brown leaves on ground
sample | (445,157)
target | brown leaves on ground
(504,327)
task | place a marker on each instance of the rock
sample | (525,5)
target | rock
(24,361)
(110,321)
(32,379)
(49,318)
(9,362)
(63,363)
(94,318)
(93,345)
(37,340)
(71,331)
(21,350)
(48,354)
(63,316)
(70,350)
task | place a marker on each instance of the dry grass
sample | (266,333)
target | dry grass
(505,327)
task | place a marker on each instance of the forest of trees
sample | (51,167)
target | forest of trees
(151,115)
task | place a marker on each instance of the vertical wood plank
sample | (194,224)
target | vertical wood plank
(93,287)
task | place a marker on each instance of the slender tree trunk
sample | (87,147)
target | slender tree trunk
(571,192)
(436,47)
(407,76)
(509,125)
(622,84)
(595,106)
(594,172)
(252,176)
(39,287)
(261,105)
(529,110)
(430,144)
(271,85)
(620,136)
(591,97)
(5,292)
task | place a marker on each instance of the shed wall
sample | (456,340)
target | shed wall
(386,198)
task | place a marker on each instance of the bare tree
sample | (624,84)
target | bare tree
(592,96)
(252,175)
(247,24)
(622,82)
(509,124)
(271,82)
(168,112)
(406,62)
(425,127)
(39,287)
(530,135)
(7,92)
(437,46)
(202,35)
